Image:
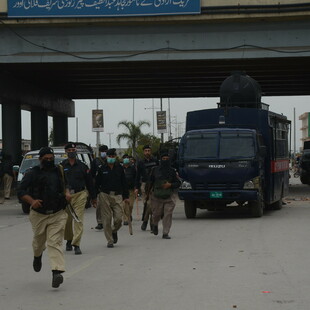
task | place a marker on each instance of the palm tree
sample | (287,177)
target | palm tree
(133,133)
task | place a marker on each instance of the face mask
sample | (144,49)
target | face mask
(71,154)
(165,163)
(111,160)
(126,161)
(48,164)
(103,154)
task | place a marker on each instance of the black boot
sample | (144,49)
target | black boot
(115,237)
(69,245)
(57,278)
(77,250)
(155,230)
(37,263)
(144,225)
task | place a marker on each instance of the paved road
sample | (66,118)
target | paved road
(218,261)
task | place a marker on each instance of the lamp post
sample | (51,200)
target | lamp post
(153,108)
(110,134)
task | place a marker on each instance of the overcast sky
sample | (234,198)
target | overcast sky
(119,110)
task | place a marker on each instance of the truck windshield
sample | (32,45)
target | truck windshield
(236,145)
(222,145)
(201,145)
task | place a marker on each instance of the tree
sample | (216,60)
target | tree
(132,135)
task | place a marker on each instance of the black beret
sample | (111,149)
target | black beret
(46,150)
(111,152)
(103,148)
(146,147)
(70,145)
(125,156)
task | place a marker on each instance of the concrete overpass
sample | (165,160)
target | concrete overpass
(47,62)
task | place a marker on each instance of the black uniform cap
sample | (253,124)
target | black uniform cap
(125,156)
(103,148)
(164,153)
(111,152)
(70,145)
(45,150)
(147,146)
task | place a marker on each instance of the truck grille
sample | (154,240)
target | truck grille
(216,186)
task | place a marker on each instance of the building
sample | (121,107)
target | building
(305,128)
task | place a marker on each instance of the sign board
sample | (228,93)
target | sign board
(90,8)
(161,121)
(97,120)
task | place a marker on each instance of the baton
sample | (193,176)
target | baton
(72,212)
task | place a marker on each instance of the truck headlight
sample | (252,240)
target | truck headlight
(252,184)
(185,185)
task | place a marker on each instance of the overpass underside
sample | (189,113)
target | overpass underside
(44,64)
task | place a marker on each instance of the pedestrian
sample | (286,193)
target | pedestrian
(164,181)
(130,174)
(8,175)
(95,165)
(144,168)
(112,187)
(44,188)
(80,186)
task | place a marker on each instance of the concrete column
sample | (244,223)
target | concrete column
(60,128)
(39,129)
(11,130)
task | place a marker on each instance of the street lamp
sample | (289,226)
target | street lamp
(153,108)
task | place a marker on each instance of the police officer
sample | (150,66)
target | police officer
(44,189)
(144,168)
(130,174)
(80,186)
(113,191)
(164,181)
(95,165)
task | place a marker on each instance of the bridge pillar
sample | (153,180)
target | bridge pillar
(60,129)
(39,129)
(11,129)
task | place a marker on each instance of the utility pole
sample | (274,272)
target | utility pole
(294,132)
(77,129)
(161,108)
(133,111)
(98,133)
(110,134)
(153,108)
(169,121)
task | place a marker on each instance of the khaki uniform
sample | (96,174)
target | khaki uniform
(163,207)
(74,230)
(111,207)
(128,207)
(7,184)
(48,232)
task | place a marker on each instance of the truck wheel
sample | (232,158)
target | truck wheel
(303,179)
(25,207)
(277,205)
(190,209)
(257,208)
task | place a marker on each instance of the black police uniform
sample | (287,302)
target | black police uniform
(144,168)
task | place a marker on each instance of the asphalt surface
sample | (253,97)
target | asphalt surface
(220,260)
